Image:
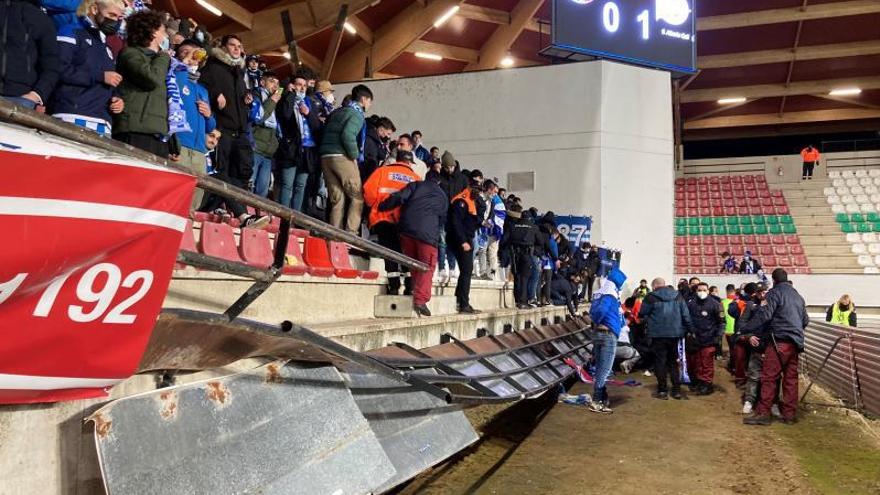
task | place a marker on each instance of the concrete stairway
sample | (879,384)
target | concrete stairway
(824,244)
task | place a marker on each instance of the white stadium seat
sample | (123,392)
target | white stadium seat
(872,189)
(828,191)
(862,198)
(867,207)
(866,181)
(869,238)
(838,182)
(847,199)
(847,174)
(875,198)
(833,200)
(834,174)
(838,209)
(856,190)
(852,182)
(853,238)
(853,208)
(859,248)
(861,173)
(877,260)
(871,270)
(877,181)
(866,260)
(842,191)
(874,172)
(874,248)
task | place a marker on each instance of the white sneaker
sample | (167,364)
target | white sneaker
(747,408)
(648,373)
(774,411)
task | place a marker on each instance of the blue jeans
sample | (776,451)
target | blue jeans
(534,278)
(24,102)
(604,349)
(293,187)
(262,174)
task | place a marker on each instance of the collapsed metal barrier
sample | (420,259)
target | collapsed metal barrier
(846,361)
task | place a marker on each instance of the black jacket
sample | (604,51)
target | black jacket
(592,263)
(461,225)
(786,313)
(707,320)
(519,233)
(454,183)
(375,152)
(423,210)
(665,314)
(290,149)
(29,54)
(221,76)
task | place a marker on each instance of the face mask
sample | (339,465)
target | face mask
(165,44)
(331,98)
(300,95)
(109,26)
(193,69)
(702,295)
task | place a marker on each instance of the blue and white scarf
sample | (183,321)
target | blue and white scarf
(307,140)
(258,112)
(362,135)
(499,214)
(326,106)
(176,114)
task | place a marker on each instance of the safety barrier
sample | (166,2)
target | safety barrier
(846,361)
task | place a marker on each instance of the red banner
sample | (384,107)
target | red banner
(86,255)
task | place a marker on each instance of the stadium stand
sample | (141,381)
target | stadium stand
(854,199)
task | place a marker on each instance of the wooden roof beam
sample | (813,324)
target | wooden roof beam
(776,90)
(236,12)
(363,31)
(495,16)
(446,51)
(815,52)
(497,46)
(788,118)
(791,14)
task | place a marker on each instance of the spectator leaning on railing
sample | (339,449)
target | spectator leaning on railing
(29,55)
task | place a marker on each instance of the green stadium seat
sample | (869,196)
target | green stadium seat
(720,230)
(718,221)
(786,219)
(748,230)
(680,221)
(693,222)
(856,218)
(789,228)
(863,228)
(681,230)
(761,230)
(873,217)
(876,227)
(707,230)
(772,220)
(842,218)
(732,221)
(745,221)
(706,221)
(758,220)
(692,230)
(776,229)
(848,228)
(733,230)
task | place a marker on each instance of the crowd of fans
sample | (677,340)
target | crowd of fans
(166,86)
(676,333)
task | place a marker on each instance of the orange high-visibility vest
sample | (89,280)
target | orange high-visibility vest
(466,197)
(810,155)
(384,182)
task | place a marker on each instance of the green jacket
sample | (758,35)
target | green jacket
(341,133)
(265,139)
(144,91)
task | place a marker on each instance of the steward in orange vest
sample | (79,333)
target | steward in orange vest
(384,182)
(461,228)
(811,158)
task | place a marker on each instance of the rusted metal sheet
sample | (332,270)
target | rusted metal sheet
(277,429)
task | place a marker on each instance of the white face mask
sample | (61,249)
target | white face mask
(702,295)
(331,98)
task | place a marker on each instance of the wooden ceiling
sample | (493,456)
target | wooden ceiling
(783,56)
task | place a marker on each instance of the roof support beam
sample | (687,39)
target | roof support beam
(505,35)
(495,16)
(236,12)
(849,101)
(335,40)
(815,52)
(363,31)
(791,14)
(789,118)
(390,40)
(446,51)
(775,90)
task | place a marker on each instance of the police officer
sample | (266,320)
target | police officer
(519,238)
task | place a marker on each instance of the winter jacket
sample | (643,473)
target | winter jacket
(191,92)
(786,313)
(743,316)
(375,153)
(222,76)
(665,314)
(29,54)
(144,91)
(707,321)
(592,263)
(519,234)
(423,154)
(341,133)
(454,183)
(423,210)
(462,222)
(265,122)
(84,57)
(384,182)
(605,308)
(290,147)
(62,12)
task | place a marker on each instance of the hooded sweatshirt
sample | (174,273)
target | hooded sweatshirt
(665,314)
(605,309)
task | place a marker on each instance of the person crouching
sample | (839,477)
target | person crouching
(707,328)
(607,320)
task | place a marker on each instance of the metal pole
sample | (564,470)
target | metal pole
(16,115)
(822,366)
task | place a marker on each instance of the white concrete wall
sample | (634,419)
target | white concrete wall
(817,290)
(598,136)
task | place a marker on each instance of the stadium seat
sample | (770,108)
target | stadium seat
(694,240)
(218,240)
(187,242)
(681,241)
(829,191)
(763,240)
(202,216)
(317,258)
(274,225)
(695,262)
(789,228)
(693,221)
(792,239)
(750,240)
(866,260)
(775,229)
(768,210)
(695,250)
(732,221)
(864,227)
(782,210)
(874,248)
(733,239)
(692,212)
(841,218)
(294,264)
(679,181)
(861,173)
(777,240)
(680,212)
(853,237)
(718,220)
(707,230)
(853,208)
(737,250)
(705,211)
(751,194)
(765,250)
(856,190)
(834,174)
(795,249)
(680,231)
(847,199)
(707,240)
(772,220)
(778,201)
(681,250)
(833,200)
(745,220)
(718,212)
(255,248)
(784,262)
(342,263)
(709,250)
(838,209)
(874,172)
(770,262)
(877,260)
(693,231)
(780,250)
(867,208)
(871,270)
(800,260)
(761,230)
(706,221)
(681,263)
(870,238)
(720,230)
(852,181)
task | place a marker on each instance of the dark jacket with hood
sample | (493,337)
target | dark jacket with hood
(29,57)
(144,90)
(222,76)
(665,314)
(423,212)
(707,320)
(786,313)
(455,182)
(375,152)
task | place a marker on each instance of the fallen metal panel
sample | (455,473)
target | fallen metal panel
(277,429)
(416,429)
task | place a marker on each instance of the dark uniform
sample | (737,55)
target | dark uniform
(519,238)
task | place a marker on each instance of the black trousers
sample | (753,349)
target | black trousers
(666,362)
(522,269)
(389,236)
(465,269)
(546,289)
(234,164)
(213,201)
(147,142)
(808,168)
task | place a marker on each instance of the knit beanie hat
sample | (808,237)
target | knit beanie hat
(447,160)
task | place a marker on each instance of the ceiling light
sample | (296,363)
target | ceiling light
(286,55)
(445,17)
(429,56)
(210,8)
(348,27)
(728,101)
(507,61)
(845,92)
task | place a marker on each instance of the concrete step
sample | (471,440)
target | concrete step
(826,250)
(402,306)
(807,203)
(814,220)
(810,210)
(838,271)
(817,230)
(801,185)
(835,262)
(812,194)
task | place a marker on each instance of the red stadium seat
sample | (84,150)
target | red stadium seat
(780,250)
(708,240)
(202,216)
(294,262)
(777,201)
(784,261)
(694,241)
(713,188)
(792,239)
(342,263)
(187,242)
(727,195)
(737,250)
(680,211)
(742,211)
(769,262)
(800,260)
(717,211)
(681,262)
(709,251)
(738,194)
(695,262)
(721,240)
(765,250)
(761,179)
(735,239)
(255,248)
(782,210)
(695,250)
(777,193)
(795,249)
(317,257)
(681,241)
(692,203)
(766,201)
(680,197)
(768,210)
(715,195)
(218,240)
(691,181)
(763,239)
(693,212)
(801,271)
(274,225)
(736,179)
(681,250)
(750,240)
(777,240)
(705,211)
(749,179)
(724,179)
(702,180)
(751,194)
(691,188)
(679,181)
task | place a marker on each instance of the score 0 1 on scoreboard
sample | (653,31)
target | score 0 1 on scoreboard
(656,33)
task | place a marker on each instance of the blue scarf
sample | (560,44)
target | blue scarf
(362,135)
(308,141)
(176,113)
(326,107)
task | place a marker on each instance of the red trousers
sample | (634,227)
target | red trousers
(421,280)
(783,363)
(704,364)
(740,360)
